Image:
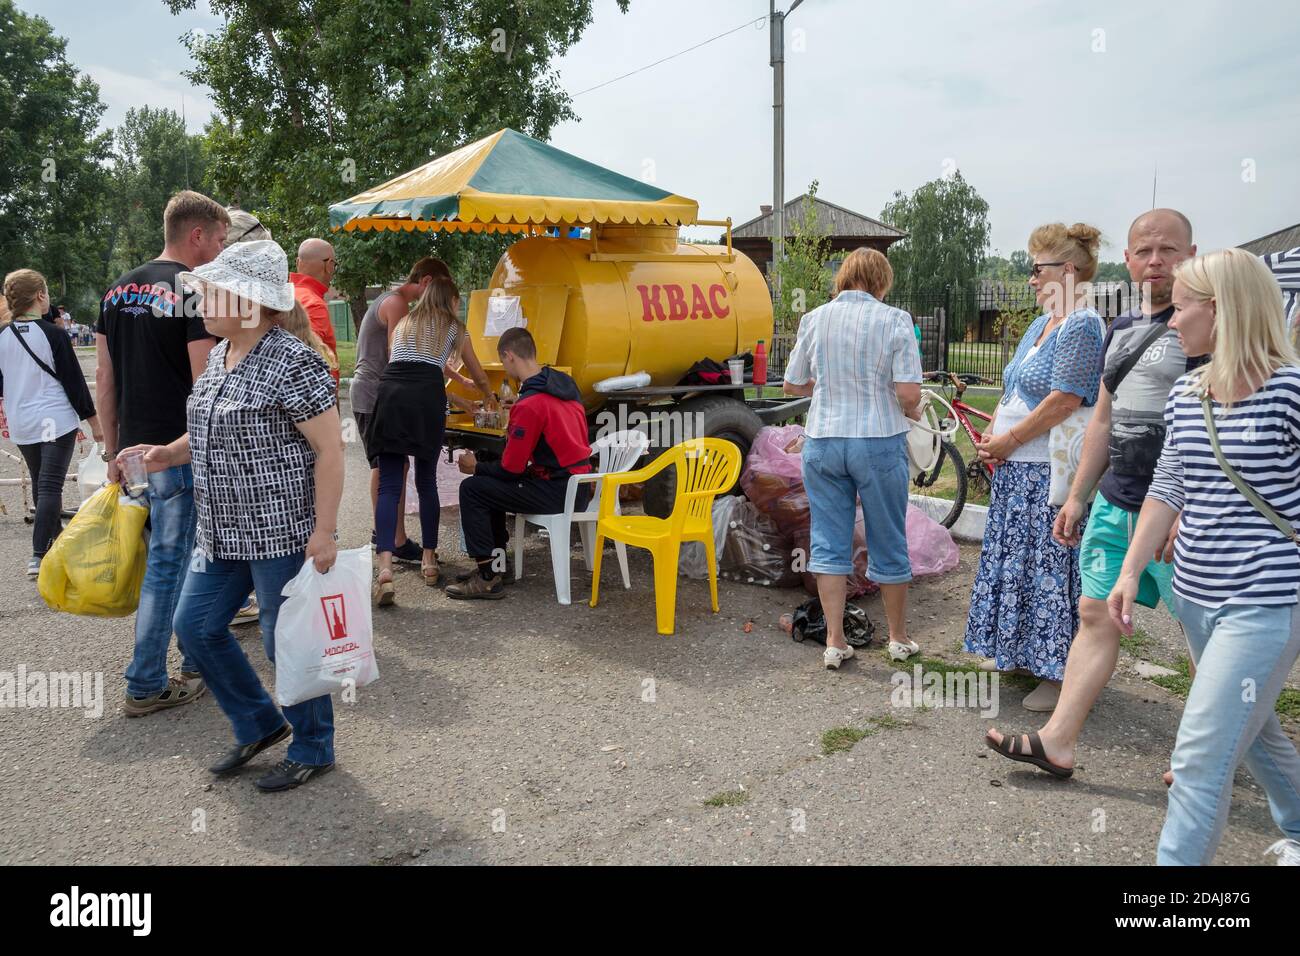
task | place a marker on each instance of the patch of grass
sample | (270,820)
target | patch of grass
(1288,704)
(347,356)
(1138,644)
(728,798)
(1179,684)
(843,738)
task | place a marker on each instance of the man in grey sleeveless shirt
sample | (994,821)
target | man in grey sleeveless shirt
(380,319)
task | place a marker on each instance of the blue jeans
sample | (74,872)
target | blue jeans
(171,541)
(1243,654)
(214,591)
(837,472)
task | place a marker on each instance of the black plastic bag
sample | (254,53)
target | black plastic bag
(809,623)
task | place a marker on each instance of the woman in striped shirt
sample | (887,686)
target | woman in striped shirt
(1236,575)
(409,419)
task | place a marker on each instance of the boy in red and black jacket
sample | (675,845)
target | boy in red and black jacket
(546,442)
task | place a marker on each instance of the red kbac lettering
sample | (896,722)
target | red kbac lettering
(649,298)
(721,311)
(676,302)
(699,304)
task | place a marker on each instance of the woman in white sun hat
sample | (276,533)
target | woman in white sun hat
(267,451)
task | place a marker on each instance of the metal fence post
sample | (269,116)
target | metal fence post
(944,325)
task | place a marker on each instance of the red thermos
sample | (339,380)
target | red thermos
(760,367)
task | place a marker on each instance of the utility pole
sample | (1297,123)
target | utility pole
(776,20)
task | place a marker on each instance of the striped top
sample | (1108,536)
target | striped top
(855,348)
(1226,551)
(1285,267)
(405,351)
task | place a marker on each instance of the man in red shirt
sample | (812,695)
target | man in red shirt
(316,267)
(546,442)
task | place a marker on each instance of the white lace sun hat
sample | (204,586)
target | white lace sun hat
(257,271)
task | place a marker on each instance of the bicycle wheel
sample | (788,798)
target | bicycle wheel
(950,465)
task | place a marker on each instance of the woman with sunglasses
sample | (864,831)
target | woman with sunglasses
(1025,600)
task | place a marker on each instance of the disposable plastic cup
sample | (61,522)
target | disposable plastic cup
(134,472)
(737,369)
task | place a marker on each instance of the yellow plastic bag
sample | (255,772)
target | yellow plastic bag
(96,566)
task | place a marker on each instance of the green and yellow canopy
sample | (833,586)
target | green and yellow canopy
(509,182)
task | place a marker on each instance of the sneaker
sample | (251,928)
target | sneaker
(506,579)
(833,657)
(238,756)
(898,651)
(289,774)
(409,553)
(476,588)
(1288,852)
(248,613)
(34,567)
(179,690)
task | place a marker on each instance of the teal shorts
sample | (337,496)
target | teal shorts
(1101,556)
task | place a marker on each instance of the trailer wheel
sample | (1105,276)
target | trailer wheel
(720,417)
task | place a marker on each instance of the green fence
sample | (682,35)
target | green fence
(341,317)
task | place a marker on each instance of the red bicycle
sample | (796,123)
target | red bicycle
(974,477)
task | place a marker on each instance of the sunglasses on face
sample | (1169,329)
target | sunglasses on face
(1038,268)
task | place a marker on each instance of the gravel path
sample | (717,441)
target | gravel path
(523,731)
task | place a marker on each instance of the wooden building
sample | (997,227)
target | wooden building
(846,229)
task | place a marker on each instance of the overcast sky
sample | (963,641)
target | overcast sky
(1052,110)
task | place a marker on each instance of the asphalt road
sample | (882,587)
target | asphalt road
(521,731)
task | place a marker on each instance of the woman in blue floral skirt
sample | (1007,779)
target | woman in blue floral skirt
(1024,607)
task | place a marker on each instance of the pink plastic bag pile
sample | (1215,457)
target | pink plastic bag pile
(773,481)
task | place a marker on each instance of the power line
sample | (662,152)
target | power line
(674,56)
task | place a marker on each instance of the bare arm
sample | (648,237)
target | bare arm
(391,311)
(325,435)
(199,350)
(1051,411)
(105,393)
(803,391)
(909,397)
(475,369)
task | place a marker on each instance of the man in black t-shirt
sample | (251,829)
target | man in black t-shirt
(151,346)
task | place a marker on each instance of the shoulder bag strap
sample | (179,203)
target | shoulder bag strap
(22,340)
(1130,361)
(1248,492)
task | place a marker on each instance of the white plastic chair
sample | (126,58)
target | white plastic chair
(618,453)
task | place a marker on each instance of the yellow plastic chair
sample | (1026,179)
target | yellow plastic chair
(706,467)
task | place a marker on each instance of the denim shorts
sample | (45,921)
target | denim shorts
(837,473)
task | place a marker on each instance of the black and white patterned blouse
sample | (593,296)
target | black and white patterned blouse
(254,480)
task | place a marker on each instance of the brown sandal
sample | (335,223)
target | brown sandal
(431,573)
(1010,748)
(384,593)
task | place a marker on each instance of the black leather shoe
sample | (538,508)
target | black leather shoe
(409,553)
(289,774)
(241,755)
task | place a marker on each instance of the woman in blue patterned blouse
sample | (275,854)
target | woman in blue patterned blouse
(1025,601)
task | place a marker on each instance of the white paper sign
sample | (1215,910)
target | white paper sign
(503,312)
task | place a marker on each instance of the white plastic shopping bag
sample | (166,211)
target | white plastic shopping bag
(323,639)
(92,472)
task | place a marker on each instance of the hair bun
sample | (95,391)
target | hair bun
(1087,236)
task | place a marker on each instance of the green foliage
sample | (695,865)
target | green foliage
(155,158)
(319,100)
(1112,272)
(803,276)
(728,798)
(52,182)
(947,228)
(1017,308)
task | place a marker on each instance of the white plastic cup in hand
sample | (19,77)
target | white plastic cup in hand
(737,369)
(134,472)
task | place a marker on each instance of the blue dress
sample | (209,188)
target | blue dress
(1024,605)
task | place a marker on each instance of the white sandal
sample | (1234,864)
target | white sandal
(898,651)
